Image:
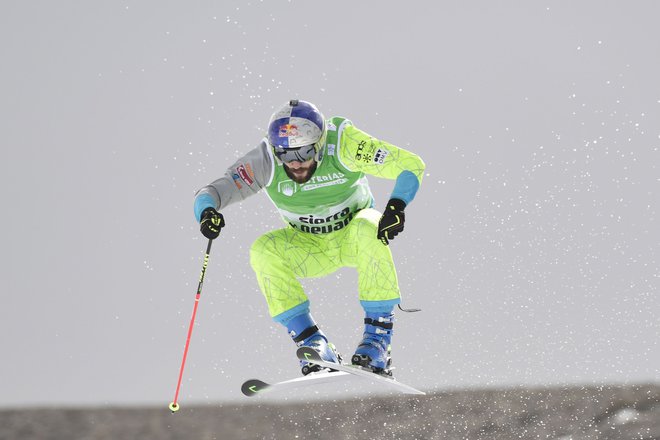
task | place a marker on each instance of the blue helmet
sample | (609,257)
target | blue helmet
(294,129)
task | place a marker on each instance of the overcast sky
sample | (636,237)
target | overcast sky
(532,246)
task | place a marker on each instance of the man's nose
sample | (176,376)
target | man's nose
(294,164)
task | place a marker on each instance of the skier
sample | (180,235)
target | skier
(313,170)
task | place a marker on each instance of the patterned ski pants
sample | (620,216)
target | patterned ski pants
(283,256)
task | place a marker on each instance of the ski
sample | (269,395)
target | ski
(310,355)
(253,387)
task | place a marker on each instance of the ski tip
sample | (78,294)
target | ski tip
(253,387)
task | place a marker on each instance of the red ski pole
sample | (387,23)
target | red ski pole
(174,406)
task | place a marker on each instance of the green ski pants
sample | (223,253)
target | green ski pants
(283,256)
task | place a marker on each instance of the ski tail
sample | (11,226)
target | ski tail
(252,387)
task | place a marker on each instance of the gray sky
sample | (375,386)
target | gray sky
(532,246)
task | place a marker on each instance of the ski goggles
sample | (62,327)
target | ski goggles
(300,154)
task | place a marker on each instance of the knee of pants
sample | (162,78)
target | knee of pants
(264,251)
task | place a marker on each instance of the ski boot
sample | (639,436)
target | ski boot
(374,352)
(305,333)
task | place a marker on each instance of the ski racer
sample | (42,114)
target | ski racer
(314,171)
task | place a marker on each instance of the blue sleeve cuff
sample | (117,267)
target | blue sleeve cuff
(202,202)
(406,187)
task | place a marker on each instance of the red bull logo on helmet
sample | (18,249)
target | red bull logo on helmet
(288,130)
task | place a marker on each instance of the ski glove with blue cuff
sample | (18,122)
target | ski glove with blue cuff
(211,223)
(391,223)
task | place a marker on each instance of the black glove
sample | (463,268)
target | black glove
(391,223)
(212,222)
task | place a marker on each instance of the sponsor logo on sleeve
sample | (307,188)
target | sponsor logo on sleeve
(360,150)
(365,153)
(380,156)
(245,173)
(237,180)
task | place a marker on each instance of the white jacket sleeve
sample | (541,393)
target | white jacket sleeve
(247,176)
